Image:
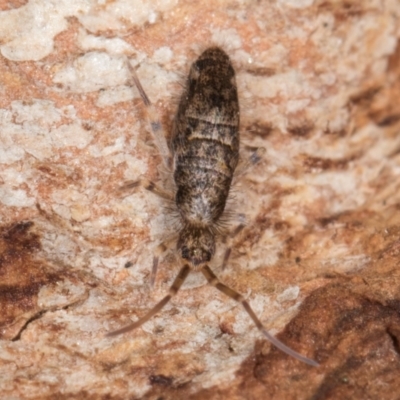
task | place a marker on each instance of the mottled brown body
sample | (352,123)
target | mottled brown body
(205,150)
(205,147)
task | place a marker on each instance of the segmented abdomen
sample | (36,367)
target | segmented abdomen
(206,139)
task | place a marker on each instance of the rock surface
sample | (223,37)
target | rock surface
(318,259)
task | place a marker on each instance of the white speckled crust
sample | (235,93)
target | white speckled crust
(73,131)
(28,32)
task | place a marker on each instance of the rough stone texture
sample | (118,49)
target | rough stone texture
(318,260)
